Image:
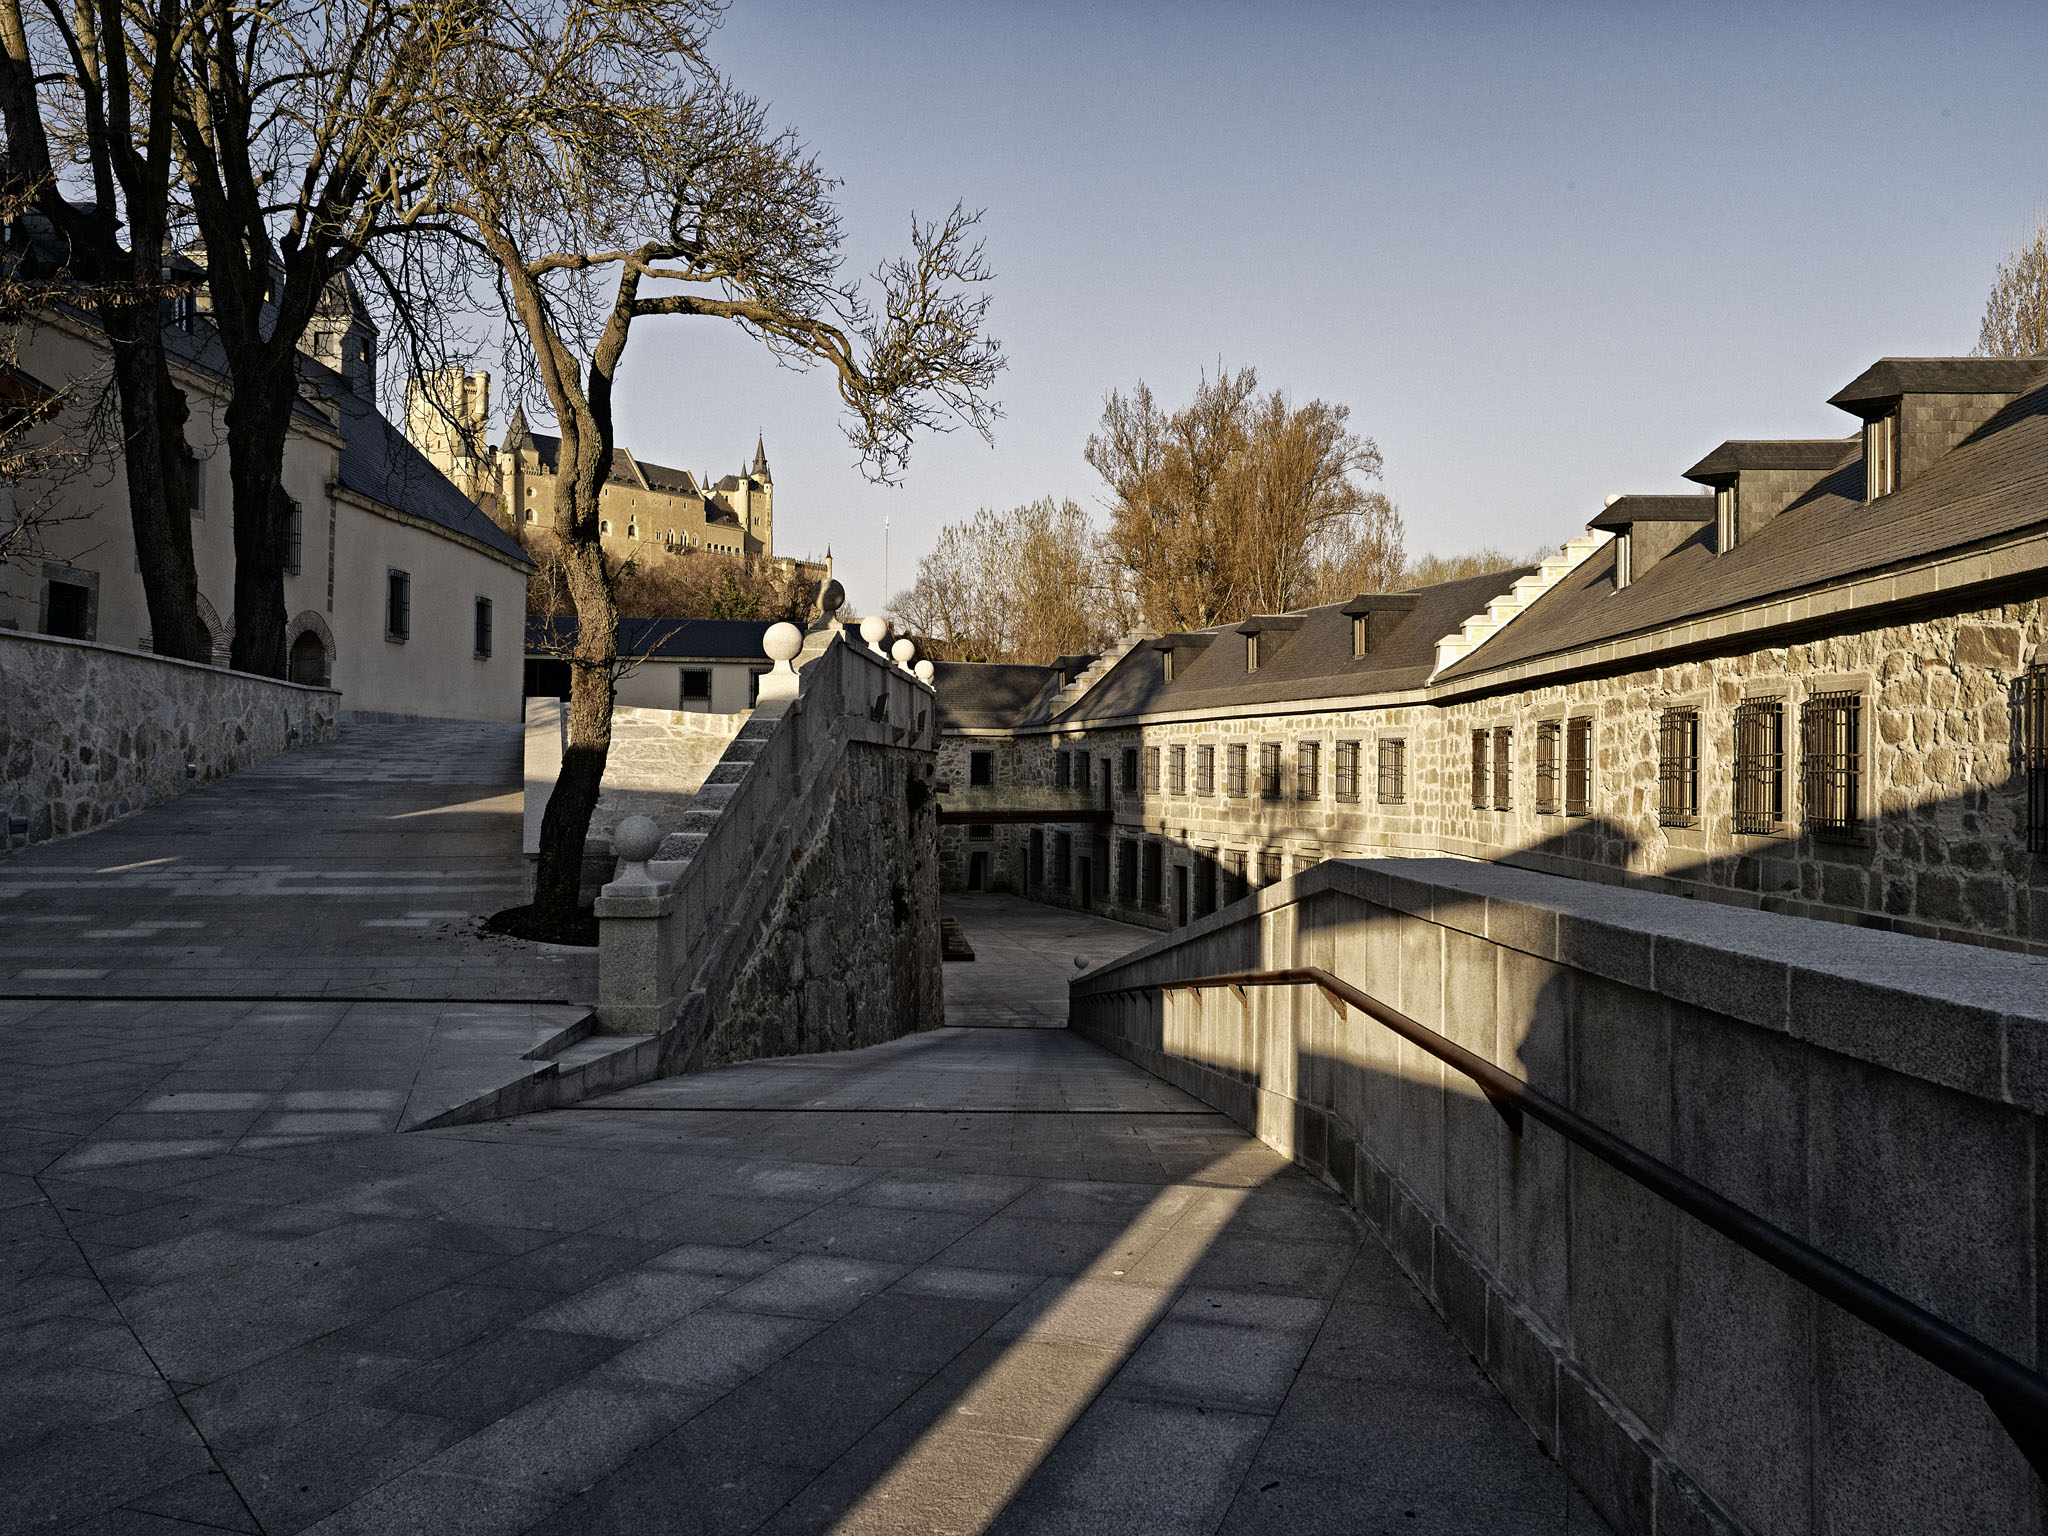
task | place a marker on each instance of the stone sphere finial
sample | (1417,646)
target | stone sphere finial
(1080,962)
(926,671)
(634,842)
(832,599)
(782,642)
(874,629)
(903,650)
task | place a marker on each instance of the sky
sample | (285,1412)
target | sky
(1544,253)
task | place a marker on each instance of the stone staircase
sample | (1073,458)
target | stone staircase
(1482,627)
(1099,668)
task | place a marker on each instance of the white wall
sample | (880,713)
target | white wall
(658,684)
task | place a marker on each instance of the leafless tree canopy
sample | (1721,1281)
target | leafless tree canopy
(1240,503)
(1429,570)
(1028,585)
(2016,313)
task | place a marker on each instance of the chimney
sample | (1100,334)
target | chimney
(1915,409)
(1647,528)
(1753,481)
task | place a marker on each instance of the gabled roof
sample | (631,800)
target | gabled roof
(1314,663)
(1626,511)
(1994,484)
(627,468)
(1732,457)
(661,639)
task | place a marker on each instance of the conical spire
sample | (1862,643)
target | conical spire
(517,433)
(761,461)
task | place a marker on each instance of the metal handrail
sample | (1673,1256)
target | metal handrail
(2016,1393)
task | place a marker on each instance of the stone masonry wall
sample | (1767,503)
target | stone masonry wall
(849,952)
(1941,850)
(91,733)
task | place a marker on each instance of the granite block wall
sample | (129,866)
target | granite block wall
(90,733)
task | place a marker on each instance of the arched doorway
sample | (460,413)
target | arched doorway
(309,660)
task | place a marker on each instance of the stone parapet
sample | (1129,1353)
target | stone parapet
(1877,1095)
(90,733)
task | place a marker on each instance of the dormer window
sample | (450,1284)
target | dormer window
(1166,666)
(1251,653)
(1359,628)
(1724,518)
(1881,456)
(1621,561)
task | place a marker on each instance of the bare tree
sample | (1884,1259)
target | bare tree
(2016,313)
(1025,585)
(640,184)
(657,584)
(82,105)
(1433,570)
(1239,503)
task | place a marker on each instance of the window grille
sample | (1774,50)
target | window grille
(1346,786)
(1062,770)
(1151,770)
(696,684)
(1269,865)
(1233,770)
(1269,770)
(1831,764)
(1155,894)
(1130,769)
(1759,765)
(1678,768)
(1063,860)
(1205,885)
(1547,733)
(1479,770)
(1308,770)
(483,629)
(1503,768)
(1393,770)
(1578,766)
(1127,870)
(1205,770)
(1177,771)
(1081,770)
(1233,876)
(2034,746)
(981,834)
(397,605)
(295,542)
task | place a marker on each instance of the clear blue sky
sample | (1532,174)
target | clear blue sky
(1544,253)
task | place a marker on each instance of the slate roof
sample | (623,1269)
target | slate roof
(661,639)
(1890,377)
(1993,484)
(660,477)
(1626,511)
(1726,461)
(1312,662)
(990,696)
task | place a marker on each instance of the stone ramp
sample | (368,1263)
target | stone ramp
(1023,954)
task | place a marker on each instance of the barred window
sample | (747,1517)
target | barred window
(1831,765)
(1759,765)
(1346,787)
(1081,770)
(1479,770)
(1205,770)
(1063,859)
(1233,770)
(397,605)
(1547,733)
(1269,770)
(1130,768)
(1062,770)
(1205,884)
(483,629)
(1233,876)
(981,834)
(2034,750)
(1151,770)
(1578,766)
(1393,770)
(1269,865)
(1678,768)
(1503,768)
(1177,771)
(1308,770)
(1126,870)
(1154,874)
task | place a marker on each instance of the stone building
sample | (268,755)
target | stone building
(402,596)
(1816,687)
(643,508)
(697,666)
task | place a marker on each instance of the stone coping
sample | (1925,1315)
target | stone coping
(168,661)
(1971,1019)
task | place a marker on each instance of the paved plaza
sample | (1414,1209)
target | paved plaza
(986,1278)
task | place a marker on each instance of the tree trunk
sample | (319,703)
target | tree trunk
(566,823)
(153,414)
(258,419)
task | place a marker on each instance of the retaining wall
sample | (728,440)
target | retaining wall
(90,733)
(1879,1096)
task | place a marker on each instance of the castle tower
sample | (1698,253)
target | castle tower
(761,504)
(447,417)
